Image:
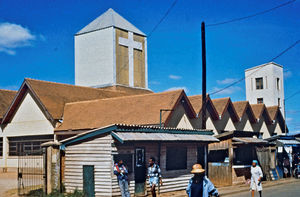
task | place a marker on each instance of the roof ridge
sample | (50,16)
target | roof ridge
(122,97)
(8,90)
(71,85)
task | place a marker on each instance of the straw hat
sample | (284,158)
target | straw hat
(197,169)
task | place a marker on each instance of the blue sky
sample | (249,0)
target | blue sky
(38,42)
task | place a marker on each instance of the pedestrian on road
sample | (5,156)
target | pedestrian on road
(200,185)
(154,176)
(256,176)
(122,174)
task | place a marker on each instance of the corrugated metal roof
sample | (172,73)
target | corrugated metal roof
(137,136)
(249,140)
(110,18)
(289,142)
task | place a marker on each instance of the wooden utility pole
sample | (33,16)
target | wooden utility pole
(203,76)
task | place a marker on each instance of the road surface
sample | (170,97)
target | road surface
(283,190)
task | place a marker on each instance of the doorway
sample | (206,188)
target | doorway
(140,172)
(88,181)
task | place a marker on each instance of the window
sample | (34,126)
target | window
(259,83)
(277,83)
(260,100)
(176,158)
(243,155)
(278,102)
(1,146)
(27,145)
(127,159)
(217,155)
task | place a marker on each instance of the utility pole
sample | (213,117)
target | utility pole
(160,115)
(203,76)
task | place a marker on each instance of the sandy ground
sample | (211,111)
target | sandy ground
(8,181)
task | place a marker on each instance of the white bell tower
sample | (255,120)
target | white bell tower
(264,84)
(111,51)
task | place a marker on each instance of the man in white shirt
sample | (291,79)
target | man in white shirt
(256,176)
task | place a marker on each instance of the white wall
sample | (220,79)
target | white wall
(185,123)
(94,58)
(270,94)
(29,120)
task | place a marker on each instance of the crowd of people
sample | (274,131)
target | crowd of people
(198,186)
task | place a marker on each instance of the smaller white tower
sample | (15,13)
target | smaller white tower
(264,84)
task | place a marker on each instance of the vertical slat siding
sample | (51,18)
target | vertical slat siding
(95,152)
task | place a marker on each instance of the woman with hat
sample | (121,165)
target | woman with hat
(256,176)
(200,185)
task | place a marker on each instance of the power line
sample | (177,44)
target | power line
(243,78)
(252,15)
(298,92)
(163,18)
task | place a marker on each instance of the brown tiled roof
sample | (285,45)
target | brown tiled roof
(221,104)
(257,110)
(128,90)
(196,102)
(6,97)
(139,109)
(273,110)
(240,107)
(55,95)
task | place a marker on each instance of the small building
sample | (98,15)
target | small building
(90,156)
(229,160)
(286,148)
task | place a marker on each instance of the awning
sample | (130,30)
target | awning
(248,140)
(166,137)
(288,142)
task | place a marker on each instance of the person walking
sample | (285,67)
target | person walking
(122,174)
(154,175)
(256,176)
(200,185)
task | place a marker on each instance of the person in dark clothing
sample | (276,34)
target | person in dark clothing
(122,174)
(200,185)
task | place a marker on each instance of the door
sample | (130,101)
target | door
(140,172)
(88,181)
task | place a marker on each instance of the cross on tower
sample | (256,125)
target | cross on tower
(131,44)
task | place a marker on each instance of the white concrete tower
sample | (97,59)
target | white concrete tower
(111,51)
(264,84)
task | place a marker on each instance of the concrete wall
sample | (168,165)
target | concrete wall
(94,58)
(270,93)
(29,120)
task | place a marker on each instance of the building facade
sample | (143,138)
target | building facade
(264,84)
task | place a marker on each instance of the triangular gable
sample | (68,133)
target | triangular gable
(24,89)
(260,111)
(229,126)
(224,104)
(29,119)
(242,108)
(185,123)
(196,102)
(264,130)
(248,126)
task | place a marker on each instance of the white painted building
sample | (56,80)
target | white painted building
(264,84)
(111,51)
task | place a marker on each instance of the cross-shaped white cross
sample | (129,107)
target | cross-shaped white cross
(131,44)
